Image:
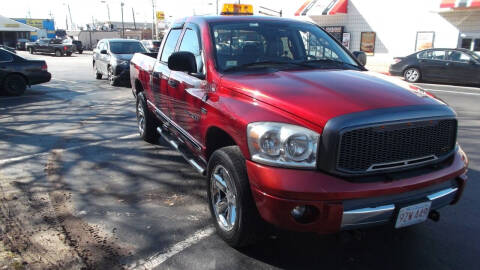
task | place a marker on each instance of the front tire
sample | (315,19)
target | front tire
(111,78)
(231,204)
(412,75)
(146,122)
(14,85)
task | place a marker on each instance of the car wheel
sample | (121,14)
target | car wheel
(58,53)
(412,75)
(80,52)
(111,78)
(31,50)
(69,54)
(14,85)
(145,121)
(231,204)
(98,75)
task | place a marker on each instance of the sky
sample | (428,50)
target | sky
(84,11)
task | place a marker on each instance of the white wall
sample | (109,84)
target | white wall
(396,24)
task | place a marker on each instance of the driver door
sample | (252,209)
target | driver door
(187,90)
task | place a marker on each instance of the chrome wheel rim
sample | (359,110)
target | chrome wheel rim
(110,76)
(223,198)
(140,118)
(412,75)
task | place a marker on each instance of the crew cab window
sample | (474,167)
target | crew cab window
(432,55)
(191,44)
(5,56)
(458,56)
(170,44)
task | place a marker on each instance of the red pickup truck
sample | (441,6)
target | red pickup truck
(291,129)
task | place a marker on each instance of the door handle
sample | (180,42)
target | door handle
(173,83)
(156,75)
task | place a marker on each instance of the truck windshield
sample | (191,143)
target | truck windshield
(242,45)
(126,47)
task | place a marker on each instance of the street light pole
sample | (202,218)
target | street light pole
(123,25)
(153,19)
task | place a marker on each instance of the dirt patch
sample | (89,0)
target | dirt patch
(39,230)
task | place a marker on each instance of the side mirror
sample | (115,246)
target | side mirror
(103,51)
(182,61)
(361,57)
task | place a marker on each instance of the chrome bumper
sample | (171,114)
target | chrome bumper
(364,217)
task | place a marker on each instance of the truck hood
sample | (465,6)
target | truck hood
(319,95)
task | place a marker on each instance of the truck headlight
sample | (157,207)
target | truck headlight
(282,145)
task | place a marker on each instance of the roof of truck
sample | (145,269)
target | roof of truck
(213,19)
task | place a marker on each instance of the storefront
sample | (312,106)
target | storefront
(46,27)
(387,29)
(11,31)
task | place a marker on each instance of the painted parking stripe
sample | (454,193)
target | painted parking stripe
(19,158)
(160,258)
(454,92)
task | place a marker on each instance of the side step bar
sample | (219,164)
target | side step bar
(182,150)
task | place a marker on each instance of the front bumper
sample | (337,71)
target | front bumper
(122,73)
(341,204)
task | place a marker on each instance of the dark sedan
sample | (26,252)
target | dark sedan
(112,58)
(16,73)
(439,65)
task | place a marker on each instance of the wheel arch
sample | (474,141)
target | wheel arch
(215,139)
(16,73)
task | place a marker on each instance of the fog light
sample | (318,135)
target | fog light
(299,211)
(304,213)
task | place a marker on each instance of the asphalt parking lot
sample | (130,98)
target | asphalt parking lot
(80,190)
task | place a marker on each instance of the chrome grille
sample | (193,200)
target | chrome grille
(393,146)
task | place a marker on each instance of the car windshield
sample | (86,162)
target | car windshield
(242,45)
(129,47)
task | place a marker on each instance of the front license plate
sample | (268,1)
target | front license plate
(413,214)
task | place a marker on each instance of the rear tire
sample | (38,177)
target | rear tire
(58,53)
(14,85)
(229,194)
(146,122)
(31,50)
(80,52)
(412,75)
(69,54)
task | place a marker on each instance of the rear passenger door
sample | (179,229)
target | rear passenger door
(433,65)
(161,73)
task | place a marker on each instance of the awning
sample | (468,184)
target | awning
(460,4)
(322,7)
(9,25)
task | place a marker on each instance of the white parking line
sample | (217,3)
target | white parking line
(8,160)
(160,258)
(64,81)
(454,92)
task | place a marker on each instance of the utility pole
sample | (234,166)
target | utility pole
(153,20)
(108,10)
(217,7)
(71,20)
(134,23)
(123,25)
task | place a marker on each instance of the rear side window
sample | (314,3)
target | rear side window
(433,55)
(5,56)
(170,43)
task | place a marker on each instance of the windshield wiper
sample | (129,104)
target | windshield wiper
(331,61)
(265,63)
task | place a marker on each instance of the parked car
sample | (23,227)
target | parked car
(8,48)
(111,58)
(21,42)
(50,45)
(77,45)
(289,128)
(439,65)
(152,45)
(16,73)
